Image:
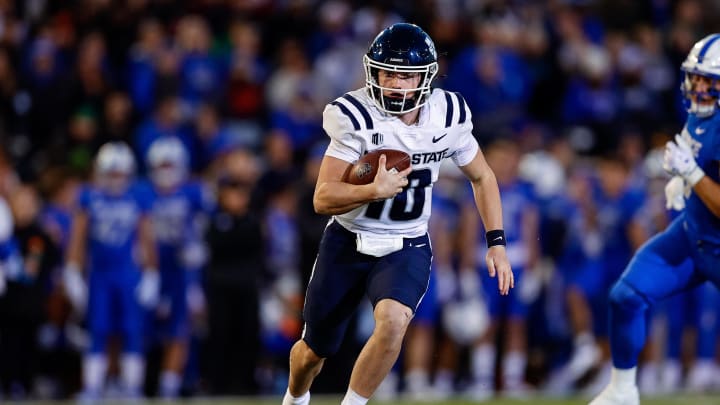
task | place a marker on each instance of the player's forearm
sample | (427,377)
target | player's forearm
(709,193)
(468,232)
(76,243)
(487,199)
(147,242)
(335,198)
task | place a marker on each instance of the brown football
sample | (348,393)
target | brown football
(365,169)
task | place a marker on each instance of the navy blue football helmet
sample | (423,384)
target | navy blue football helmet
(403,48)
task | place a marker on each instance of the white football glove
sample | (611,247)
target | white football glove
(679,159)
(148,290)
(675,193)
(75,287)
(195,297)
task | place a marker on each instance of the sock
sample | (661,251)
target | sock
(303,399)
(170,384)
(132,371)
(483,364)
(353,398)
(623,379)
(416,381)
(94,373)
(444,381)
(514,369)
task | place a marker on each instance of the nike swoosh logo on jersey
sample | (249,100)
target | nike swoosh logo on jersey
(435,140)
(699,130)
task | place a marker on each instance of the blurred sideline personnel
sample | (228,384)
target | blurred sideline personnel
(109,226)
(177,207)
(376,244)
(660,268)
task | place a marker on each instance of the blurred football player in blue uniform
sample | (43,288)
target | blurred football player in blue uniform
(657,270)
(376,244)
(10,257)
(521,220)
(177,207)
(111,235)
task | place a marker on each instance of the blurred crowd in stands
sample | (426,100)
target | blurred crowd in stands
(572,101)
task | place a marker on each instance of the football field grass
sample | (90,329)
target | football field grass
(335,400)
(538,400)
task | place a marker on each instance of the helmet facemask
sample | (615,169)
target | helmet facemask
(703,61)
(114,167)
(408,102)
(691,95)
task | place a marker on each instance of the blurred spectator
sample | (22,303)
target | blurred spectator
(117,118)
(234,270)
(248,72)
(23,304)
(59,189)
(201,76)
(142,60)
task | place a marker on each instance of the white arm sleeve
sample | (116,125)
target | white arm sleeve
(344,144)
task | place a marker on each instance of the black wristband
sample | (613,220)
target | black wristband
(495,237)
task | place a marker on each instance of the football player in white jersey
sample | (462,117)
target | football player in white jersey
(376,244)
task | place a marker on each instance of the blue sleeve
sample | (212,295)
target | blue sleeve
(202,197)
(143,196)
(84,197)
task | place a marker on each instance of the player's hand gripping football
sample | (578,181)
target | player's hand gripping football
(389,183)
(497,263)
(679,159)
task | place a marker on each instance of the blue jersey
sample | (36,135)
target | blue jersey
(703,134)
(614,214)
(174,217)
(112,225)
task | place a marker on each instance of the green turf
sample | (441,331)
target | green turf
(335,400)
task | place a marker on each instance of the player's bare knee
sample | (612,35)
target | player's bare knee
(305,356)
(391,320)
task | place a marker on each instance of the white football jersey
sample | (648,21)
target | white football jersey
(444,130)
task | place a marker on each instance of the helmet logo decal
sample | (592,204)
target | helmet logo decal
(431,46)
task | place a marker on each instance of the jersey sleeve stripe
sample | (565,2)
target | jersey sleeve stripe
(449,112)
(362,109)
(344,110)
(461,104)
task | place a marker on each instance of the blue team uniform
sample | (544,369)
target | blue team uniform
(517,199)
(113,271)
(174,216)
(686,254)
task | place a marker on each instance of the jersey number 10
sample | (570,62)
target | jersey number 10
(408,204)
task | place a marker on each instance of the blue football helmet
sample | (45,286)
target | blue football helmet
(402,48)
(703,60)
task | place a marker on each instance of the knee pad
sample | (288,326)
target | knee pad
(625,297)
